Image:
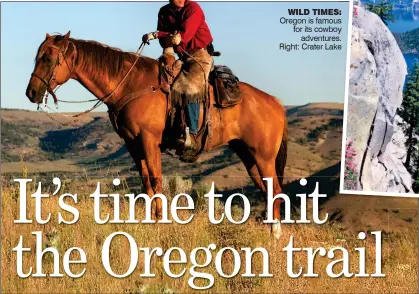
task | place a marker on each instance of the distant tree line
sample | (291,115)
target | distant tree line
(333,123)
(408,41)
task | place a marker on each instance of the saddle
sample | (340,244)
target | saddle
(221,78)
(226,91)
(226,86)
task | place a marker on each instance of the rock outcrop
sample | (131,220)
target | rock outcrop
(377,74)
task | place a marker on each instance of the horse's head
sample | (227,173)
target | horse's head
(54,65)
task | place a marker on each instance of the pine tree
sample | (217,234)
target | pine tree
(383,10)
(409,111)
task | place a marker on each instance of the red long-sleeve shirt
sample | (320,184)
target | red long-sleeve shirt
(189,21)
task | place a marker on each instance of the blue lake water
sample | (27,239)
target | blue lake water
(411,59)
(406,20)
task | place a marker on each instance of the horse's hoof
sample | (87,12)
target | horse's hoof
(276,230)
(259,220)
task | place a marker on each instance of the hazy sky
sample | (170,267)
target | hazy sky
(247,34)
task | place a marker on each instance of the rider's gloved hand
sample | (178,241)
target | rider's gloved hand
(148,37)
(176,39)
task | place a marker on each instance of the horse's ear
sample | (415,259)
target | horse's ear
(67,36)
(47,36)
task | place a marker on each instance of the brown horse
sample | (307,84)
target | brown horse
(256,129)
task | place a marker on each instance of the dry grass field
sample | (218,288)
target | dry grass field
(399,250)
(90,152)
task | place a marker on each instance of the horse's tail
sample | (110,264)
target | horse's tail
(281,157)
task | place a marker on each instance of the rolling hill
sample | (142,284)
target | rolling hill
(89,152)
(91,148)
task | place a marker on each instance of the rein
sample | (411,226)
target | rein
(98,103)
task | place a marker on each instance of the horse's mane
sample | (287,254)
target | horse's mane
(97,58)
(101,57)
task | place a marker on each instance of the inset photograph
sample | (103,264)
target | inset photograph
(381,127)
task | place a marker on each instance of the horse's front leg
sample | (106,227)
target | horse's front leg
(135,149)
(152,153)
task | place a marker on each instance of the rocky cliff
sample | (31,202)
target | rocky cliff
(377,74)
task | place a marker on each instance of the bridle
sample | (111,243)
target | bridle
(98,103)
(47,81)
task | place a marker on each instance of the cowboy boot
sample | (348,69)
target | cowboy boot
(192,142)
(181,141)
(191,148)
(185,141)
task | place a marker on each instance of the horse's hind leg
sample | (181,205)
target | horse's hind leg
(267,170)
(249,162)
(259,168)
